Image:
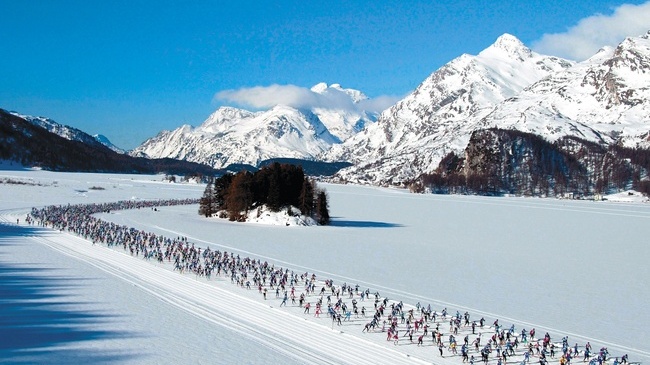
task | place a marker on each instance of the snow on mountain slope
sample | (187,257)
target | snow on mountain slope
(106,142)
(605,99)
(232,135)
(324,89)
(344,118)
(67,132)
(438,117)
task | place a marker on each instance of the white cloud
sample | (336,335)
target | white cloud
(264,97)
(592,33)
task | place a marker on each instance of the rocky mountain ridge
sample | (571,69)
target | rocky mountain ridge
(237,136)
(601,104)
(438,117)
(605,100)
(44,143)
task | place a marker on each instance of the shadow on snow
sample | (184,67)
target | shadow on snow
(335,222)
(38,320)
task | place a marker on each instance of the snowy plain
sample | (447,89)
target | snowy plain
(576,268)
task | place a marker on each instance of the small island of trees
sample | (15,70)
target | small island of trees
(275,186)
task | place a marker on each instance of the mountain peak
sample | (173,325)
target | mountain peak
(507,40)
(323,89)
(320,87)
(511,46)
(106,142)
(225,116)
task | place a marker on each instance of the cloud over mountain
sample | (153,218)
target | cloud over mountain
(592,33)
(265,97)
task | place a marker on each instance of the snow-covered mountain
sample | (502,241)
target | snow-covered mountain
(44,143)
(343,122)
(605,99)
(231,135)
(438,117)
(106,142)
(67,132)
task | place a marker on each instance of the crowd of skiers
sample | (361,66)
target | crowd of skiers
(417,325)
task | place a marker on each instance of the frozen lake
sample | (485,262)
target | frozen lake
(569,267)
(574,268)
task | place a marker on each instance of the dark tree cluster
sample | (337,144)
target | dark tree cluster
(275,186)
(498,162)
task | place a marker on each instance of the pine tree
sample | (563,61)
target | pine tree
(239,196)
(221,186)
(206,202)
(273,198)
(322,209)
(307,197)
(275,186)
(216,206)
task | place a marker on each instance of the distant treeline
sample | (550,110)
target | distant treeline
(275,185)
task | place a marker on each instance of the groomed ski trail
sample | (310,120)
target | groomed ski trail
(292,335)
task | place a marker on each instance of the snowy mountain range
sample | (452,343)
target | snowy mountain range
(235,136)
(605,99)
(65,131)
(69,133)
(438,117)
(42,142)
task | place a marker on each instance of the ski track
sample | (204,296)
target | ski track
(403,295)
(194,306)
(286,333)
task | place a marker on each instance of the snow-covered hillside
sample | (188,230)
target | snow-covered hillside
(107,142)
(232,135)
(69,133)
(65,131)
(343,122)
(439,116)
(605,99)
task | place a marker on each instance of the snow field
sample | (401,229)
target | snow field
(408,247)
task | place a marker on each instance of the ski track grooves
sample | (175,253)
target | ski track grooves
(407,295)
(286,333)
(193,306)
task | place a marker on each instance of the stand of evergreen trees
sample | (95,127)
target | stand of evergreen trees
(276,186)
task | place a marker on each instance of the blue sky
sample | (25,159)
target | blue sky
(129,69)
